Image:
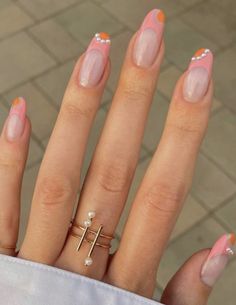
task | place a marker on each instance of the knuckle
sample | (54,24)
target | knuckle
(135,91)
(77,110)
(53,191)
(113,177)
(186,128)
(7,162)
(164,198)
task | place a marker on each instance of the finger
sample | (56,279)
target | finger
(59,176)
(193,283)
(14,142)
(116,156)
(168,178)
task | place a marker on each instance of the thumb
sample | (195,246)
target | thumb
(193,283)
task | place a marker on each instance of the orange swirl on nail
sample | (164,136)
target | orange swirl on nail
(104,36)
(16,101)
(232,239)
(161,16)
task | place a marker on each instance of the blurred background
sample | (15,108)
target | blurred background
(40,41)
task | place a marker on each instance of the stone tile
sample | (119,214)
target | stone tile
(55,38)
(3,115)
(191,213)
(156,121)
(44,8)
(201,236)
(182,41)
(132,14)
(189,3)
(219,143)
(35,153)
(217,104)
(227,214)
(168,80)
(210,185)
(86,19)
(12,19)
(139,174)
(225,77)
(20,59)
(227,5)
(5,3)
(26,197)
(118,50)
(222,29)
(224,290)
(54,82)
(41,113)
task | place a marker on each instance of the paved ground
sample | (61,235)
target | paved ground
(39,42)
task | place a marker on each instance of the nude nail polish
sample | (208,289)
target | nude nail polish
(218,259)
(198,76)
(16,119)
(95,60)
(149,39)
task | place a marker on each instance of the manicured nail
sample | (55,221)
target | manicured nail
(16,119)
(198,76)
(149,39)
(95,60)
(218,259)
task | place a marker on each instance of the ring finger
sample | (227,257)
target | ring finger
(112,168)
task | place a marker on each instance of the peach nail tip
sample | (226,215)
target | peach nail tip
(103,37)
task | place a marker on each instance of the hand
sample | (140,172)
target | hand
(161,194)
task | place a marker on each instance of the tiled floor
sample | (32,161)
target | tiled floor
(39,43)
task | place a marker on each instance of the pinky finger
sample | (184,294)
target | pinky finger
(14,143)
(193,283)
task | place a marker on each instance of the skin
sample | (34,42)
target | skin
(158,201)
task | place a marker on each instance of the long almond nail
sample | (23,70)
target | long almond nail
(16,119)
(218,259)
(149,39)
(95,60)
(198,76)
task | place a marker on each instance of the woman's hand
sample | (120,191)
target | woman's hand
(49,238)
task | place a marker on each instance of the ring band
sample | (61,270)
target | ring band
(93,242)
(92,231)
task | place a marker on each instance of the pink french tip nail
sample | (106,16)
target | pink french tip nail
(198,76)
(95,60)
(149,39)
(16,119)
(218,259)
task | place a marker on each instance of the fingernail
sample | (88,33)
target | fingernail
(95,60)
(16,119)
(149,38)
(218,259)
(198,76)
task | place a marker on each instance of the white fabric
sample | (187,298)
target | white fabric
(27,283)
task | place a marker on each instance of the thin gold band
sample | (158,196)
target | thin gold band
(89,240)
(92,231)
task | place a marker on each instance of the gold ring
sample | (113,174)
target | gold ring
(86,230)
